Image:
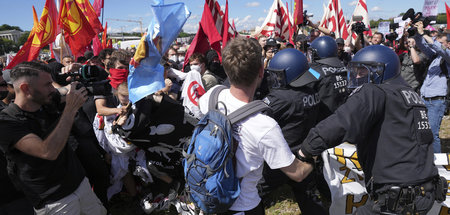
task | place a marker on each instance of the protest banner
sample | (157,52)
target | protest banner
(345,178)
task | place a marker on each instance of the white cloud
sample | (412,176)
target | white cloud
(252,4)
(261,19)
(265,11)
(223,8)
(376,8)
(353,3)
(190,27)
(305,6)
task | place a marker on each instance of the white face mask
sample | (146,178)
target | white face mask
(347,49)
(196,68)
(181,58)
(173,58)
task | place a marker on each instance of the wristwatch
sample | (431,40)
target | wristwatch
(304,159)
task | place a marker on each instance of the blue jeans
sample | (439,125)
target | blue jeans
(436,109)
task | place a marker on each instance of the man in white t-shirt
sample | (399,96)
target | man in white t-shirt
(259,137)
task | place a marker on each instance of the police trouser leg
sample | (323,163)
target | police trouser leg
(306,200)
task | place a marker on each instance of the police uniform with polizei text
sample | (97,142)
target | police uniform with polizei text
(388,122)
(332,85)
(295,107)
(391,133)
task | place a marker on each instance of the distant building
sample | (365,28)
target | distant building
(12,35)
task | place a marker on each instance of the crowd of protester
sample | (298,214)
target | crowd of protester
(100,156)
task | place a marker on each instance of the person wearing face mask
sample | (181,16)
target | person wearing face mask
(434,88)
(198,63)
(172,56)
(118,73)
(214,66)
(343,54)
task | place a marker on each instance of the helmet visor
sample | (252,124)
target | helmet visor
(276,78)
(360,73)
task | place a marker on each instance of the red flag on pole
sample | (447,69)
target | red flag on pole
(226,25)
(298,12)
(98,5)
(207,36)
(291,27)
(104,40)
(41,35)
(447,10)
(96,46)
(78,33)
(90,14)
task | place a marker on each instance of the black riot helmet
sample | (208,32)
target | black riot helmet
(290,67)
(324,47)
(373,64)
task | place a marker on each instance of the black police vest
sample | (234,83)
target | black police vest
(296,111)
(403,153)
(332,86)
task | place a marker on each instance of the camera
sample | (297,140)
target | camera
(415,17)
(305,17)
(392,36)
(358,27)
(90,77)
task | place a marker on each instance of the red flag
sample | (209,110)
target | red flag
(104,40)
(199,44)
(96,46)
(109,45)
(90,14)
(291,27)
(98,5)
(41,35)
(226,25)
(298,12)
(78,33)
(208,29)
(447,10)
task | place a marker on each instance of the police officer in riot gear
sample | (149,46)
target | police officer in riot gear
(332,86)
(388,122)
(294,103)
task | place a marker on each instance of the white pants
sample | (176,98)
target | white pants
(81,201)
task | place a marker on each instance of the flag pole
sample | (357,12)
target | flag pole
(103,10)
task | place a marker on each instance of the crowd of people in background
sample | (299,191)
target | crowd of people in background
(102,156)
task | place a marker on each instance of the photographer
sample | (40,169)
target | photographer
(270,49)
(434,88)
(46,170)
(413,64)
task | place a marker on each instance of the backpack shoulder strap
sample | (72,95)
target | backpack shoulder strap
(247,110)
(214,98)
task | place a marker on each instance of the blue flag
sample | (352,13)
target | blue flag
(147,74)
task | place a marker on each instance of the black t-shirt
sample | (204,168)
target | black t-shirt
(42,181)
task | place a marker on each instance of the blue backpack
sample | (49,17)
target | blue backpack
(208,164)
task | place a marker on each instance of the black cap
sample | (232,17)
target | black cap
(340,41)
(271,42)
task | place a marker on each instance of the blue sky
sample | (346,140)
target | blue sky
(246,13)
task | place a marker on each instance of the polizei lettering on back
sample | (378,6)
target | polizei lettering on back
(411,98)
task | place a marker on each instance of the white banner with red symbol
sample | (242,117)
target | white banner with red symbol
(192,90)
(345,179)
